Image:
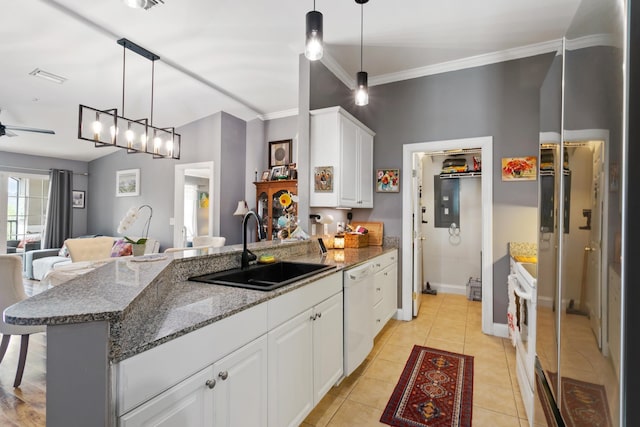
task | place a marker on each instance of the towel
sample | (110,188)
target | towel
(512,310)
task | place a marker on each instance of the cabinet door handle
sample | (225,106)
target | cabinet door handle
(313,317)
(210,383)
(386,273)
(378,320)
(378,289)
(319,315)
(378,265)
(223,375)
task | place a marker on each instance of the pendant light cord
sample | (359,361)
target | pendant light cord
(153,65)
(361,32)
(124,59)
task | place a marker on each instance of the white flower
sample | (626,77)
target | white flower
(128,220)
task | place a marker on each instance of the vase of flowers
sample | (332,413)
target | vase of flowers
(137,245)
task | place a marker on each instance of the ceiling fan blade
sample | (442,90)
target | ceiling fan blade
(28,129)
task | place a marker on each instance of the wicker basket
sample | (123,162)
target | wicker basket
(354,240)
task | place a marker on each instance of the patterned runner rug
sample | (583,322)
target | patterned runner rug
(434,390)
(583,404)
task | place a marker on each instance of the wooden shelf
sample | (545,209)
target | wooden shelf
(470,174)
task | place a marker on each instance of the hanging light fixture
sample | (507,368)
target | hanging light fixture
(105,128)
(362,86)
(313,46)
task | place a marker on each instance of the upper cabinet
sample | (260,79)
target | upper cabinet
(341,155)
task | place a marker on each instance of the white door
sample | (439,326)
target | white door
(416,183)
(594,265)
(291,371)
(327,345)
(189,403)
(240,395)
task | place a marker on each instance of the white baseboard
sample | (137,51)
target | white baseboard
(501,330)
(446,288)
(546,302)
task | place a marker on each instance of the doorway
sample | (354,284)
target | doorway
(195,211)
(411,209)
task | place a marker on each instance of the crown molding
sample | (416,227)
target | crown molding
(278,114)
(592,41)
(470,62)
(338,71)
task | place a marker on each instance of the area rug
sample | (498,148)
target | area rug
(434,390)
(583,404)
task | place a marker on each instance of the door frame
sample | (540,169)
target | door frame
(178,201)
(599,135)
(485,143)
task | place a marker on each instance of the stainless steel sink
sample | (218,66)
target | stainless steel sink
(264,277)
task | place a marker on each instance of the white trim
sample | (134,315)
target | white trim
(408,150)
(342,74)
(278,114)
(501,330)
(447,288)
(178,200)
(591,41)
(469,62)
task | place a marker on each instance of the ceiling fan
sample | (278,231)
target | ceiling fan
(7,130)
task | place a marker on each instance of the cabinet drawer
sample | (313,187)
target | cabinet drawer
(378,292)
(379,318)
(385,260)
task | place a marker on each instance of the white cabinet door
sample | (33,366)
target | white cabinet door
(189,403)
(349,158)
(240,395)
(389,278)
(327,345)
(291,371)
(365,169)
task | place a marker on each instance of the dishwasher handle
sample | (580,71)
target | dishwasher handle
(361,272)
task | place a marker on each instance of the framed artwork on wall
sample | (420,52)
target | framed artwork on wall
(519,168)
(323,179)
(388,180)
(279,153)
(128,182)
(77,199)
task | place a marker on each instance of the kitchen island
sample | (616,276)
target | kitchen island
(126,308)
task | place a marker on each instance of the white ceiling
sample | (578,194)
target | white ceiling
(240,56)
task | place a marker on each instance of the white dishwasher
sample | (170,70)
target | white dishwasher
(358,325)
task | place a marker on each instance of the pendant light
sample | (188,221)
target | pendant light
(313,46)
(362,86)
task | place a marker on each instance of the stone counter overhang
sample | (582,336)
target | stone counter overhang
(149,303)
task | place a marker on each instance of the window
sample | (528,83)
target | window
(27,197)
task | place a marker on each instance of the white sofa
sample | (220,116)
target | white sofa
(38,263)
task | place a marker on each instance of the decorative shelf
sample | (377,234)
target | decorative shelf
(470,174)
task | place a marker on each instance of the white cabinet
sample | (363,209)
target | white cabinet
(186,404)
(339,140)
(218,395)
(305,352)
(240,393)
(385,284)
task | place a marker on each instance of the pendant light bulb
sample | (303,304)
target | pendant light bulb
(313,46)
(362,88)
(136,4)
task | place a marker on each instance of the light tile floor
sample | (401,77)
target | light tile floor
(447,322)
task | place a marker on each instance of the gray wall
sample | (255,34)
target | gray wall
(202,140)
(500,100)
(39,165)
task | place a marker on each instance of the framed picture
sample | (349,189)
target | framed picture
(77,199)
(323,179)
(128,182)
(279,153)
(388,180)
(519,168)
(277,172)
(266,175)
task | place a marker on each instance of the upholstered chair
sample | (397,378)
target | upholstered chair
(209,241)
(11,292)
(89,249)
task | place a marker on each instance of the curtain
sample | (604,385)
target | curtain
(59,211)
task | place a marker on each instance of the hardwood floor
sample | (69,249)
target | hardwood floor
(25,406)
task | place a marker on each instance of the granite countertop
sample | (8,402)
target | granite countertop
(149,303)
